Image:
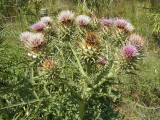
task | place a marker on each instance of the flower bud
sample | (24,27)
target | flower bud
(101,60)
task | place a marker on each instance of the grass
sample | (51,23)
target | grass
(141,95)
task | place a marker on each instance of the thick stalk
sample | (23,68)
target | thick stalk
(81,110)
(82,103)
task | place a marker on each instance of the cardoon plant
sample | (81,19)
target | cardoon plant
(77,80)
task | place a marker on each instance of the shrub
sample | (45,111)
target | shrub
(72,67)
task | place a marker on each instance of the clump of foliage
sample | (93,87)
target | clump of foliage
(97,6)
(71,68)
(15,9)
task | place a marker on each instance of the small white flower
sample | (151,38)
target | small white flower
(83,47)
(29,54)
(34,56)
(89,47)
(83,20)
(27,113)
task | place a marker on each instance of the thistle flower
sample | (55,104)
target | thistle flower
(101,60)
(91,39)
(90,47)
(39,26)
(137,40)
(24,36)
(48,64)
(83,20)
(129,27)
(65,17)
(120,23)
(35,41)
(106,22)
(46,20)
(129,50)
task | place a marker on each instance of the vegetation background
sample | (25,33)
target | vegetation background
(141,94)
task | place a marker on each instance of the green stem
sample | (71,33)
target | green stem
(109,76)
(31,80)
(80,66)
(84,95)
(99,84)
(81,110)
(88,67)
(82,100)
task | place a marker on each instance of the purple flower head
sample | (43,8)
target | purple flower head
(129,50)
(106,22)
(39,26)
(120,23)
(48,63)
(101,60)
